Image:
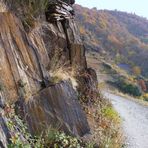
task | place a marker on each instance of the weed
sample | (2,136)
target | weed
(52,137)
(105,124)
(24,91)
(110,113)
(1,87)
(145,97)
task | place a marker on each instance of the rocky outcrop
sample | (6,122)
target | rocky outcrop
(62,15)
(4,133)
(25,62)
(19,59)
(57,105)
(88,86)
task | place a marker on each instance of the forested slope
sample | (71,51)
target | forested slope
(118,36)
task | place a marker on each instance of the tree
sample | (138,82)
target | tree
(136,70)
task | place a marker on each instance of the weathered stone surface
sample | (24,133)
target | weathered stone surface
(69,1)
(4,133)
(62,14)
(18,59)
(59,10)
(9,128)
(57,105)
(25,62)
(88,85)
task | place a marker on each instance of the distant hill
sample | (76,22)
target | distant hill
(118,36)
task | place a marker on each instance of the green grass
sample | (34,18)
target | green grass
(110,127)
(105,119)
(110,113)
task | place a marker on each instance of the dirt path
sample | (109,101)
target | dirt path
(135,120)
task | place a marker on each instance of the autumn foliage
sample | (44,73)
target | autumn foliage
(123,37)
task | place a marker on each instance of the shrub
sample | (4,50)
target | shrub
(60,139)
(109,112)
(126,87)
(145,97)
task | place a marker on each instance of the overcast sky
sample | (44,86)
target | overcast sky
(140,7)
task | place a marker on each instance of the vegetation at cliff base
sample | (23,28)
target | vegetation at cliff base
(105,123)
(51,138)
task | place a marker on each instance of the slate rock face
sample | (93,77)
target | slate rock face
(25,62)
(88,86)
(69,1)
(18,59)
(57,105)
(4,133)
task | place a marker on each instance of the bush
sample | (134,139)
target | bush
(126,87)
(145,97)
(109,112)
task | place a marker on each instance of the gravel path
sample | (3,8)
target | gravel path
(135,120)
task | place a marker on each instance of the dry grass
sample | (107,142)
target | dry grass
(3,7)
(61,70)
(63,73)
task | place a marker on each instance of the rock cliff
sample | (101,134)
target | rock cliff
(27,60)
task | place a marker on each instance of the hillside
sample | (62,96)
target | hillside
(118,36)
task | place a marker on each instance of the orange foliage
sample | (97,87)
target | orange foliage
(82,30)
(142,85)
(115,32)
(114,40)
